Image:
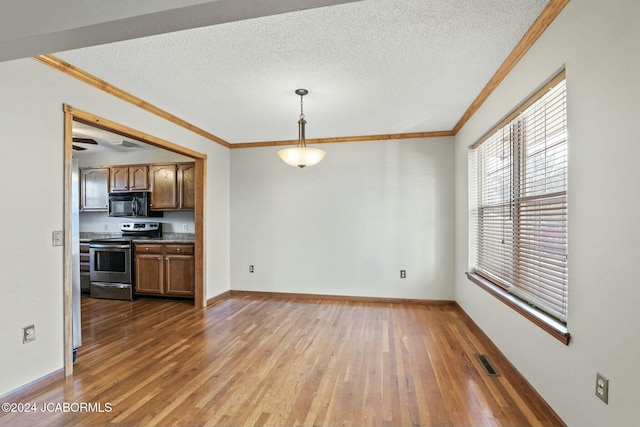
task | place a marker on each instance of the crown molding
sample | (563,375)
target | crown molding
(361,138)
(90,79)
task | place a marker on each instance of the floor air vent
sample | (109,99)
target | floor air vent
(487,365)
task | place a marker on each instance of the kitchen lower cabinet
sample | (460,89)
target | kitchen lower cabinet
(149,268)
(85,282)
(164,269)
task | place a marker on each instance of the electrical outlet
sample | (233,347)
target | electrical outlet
(403,274)
(185,227)
(28,334)
(602,388)
(106,227)
(251,269)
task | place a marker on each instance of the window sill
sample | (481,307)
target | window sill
(539,318)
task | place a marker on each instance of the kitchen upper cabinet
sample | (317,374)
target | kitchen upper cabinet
(187,185)
(120,178)
(172,186)
(165,269)
(164,186)
(139,177)
(129,178)
(94,189)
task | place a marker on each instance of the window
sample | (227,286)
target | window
(519,187)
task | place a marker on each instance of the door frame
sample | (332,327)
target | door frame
(72,114)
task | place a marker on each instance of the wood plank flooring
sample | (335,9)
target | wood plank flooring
(256,360)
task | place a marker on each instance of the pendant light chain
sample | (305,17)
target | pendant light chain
(302,140)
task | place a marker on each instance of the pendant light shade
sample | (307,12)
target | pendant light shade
(301,155)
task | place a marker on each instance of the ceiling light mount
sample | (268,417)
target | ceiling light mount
(301,155)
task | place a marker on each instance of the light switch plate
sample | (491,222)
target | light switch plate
(57,238)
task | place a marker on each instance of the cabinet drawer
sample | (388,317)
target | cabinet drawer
(148,249)
(179,249)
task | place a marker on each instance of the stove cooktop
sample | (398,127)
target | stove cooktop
(134,230)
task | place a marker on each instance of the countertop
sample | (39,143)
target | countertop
(163,240)
(86,237)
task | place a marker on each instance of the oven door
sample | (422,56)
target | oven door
(110,262)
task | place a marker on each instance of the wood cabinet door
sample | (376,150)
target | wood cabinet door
(149,274)
(119,178)
(94,189)
(138,177)
(179,275)
(187,185)
(164,186)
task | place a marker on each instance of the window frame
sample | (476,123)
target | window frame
(550,321)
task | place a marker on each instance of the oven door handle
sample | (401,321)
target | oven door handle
(111,285)
(108,246)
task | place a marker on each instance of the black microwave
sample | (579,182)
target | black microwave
(134,204)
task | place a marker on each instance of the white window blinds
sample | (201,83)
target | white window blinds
(521,202)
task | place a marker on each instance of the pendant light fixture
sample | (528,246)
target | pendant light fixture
(301,155)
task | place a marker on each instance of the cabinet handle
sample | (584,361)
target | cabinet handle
(178,249)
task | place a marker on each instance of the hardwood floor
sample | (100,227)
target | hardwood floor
(256,360)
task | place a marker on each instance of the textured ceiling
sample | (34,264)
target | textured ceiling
(371,67)
(32,27)
(106,142)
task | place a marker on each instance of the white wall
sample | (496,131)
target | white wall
(348,225)
(598,42)
(31,149)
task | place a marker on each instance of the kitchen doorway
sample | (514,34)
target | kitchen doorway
(71,116)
